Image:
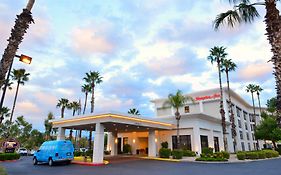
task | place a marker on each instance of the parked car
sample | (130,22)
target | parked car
(54,151)
(23,151)
(31,153)
(84,150)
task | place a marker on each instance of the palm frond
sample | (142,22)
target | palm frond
(231,18)
(247,12)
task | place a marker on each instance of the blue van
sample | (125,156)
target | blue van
(54,151)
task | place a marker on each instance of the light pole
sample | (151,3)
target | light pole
(22,58)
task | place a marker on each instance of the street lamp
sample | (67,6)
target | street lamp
(23,58)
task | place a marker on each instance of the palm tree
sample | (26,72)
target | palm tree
(218,54)
(92,79)
(20,76)
(4,112)
(75,106)
(258,89)
(48,125)
(134,111)
(86,88)
(17,34)
(63,103)
(228,66)
(176,101)
(245,12)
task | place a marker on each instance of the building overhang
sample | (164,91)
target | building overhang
(113,122)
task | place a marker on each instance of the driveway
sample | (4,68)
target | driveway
(144,167)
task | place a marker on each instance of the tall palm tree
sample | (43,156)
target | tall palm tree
(63,103)
(48,125)
(258,89)
(86,88)
(4,112)
(176,101)
(75,106)
(227,66)
(217,54)
(92,79)
(17,34)
(245,12)
(20,76)
(134,111)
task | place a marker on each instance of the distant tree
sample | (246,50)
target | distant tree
(48,125)
(75,106)
(252,88)
(258,90)
(268,130)
(4,112)
(176,101)
(217,55)
(86,88)
(35,140)
(20,76)
(134,111)
(271,105)
(63,103)
(25,129)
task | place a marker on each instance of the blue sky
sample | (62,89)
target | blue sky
(143,49)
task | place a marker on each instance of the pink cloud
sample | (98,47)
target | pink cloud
(254,71)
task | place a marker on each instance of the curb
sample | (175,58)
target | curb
(90,164)
(160,159)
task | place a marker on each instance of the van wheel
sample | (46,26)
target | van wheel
(35,162)
(51,162)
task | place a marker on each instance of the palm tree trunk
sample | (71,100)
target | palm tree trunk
(21,25)
(70,135)
(222,112)
(178,134)
(30,5)
(273,27)
(62,112)
(85,104)
(233,126)
(90,140)
(93,99)
(73,113)
(258,94)
(15,99)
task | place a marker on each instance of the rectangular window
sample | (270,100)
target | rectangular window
(204,141)
(238,110)
(246,126)
(245,115)
(239,124)
(186,109)
(241,135)
(248,137)
(243,146)
(185,142)
(125,140)
(253,136)
(249,146)
(216,144)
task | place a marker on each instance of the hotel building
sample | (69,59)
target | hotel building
(200,126)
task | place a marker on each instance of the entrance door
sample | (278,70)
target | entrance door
(119,145)
(216,144)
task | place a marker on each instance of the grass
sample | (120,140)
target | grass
(2,171)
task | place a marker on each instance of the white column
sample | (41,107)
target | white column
(134,143)
(113,144)
(211,140)
(196,145)
(98,144)
(201,106)
(61,133)
(151,144)
(108,146)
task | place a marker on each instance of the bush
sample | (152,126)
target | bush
(241,156)
(207,151)
(127,148)
(261,154)
(278,150)
(210,159)
(164,144)
(77,153)
(252,155)
(89,153)
(225,154)
(270,153)
(188,153)
(164,153)
(9,156)
(177,154)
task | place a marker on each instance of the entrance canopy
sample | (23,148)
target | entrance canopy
(112,122)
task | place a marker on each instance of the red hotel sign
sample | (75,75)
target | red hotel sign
(207,97)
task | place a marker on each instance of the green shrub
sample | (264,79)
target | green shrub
(188,153)
(164,152)
(164,144)
(9,156)
(207,151)
(278,150)
(225,154)
(2,171)
(271,153)
(252,155)
(261,154)
(127,148)
(241,155)
(177,154)
(210,159)
(89,153)
(77,153)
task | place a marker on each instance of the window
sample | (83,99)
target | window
(125,140)
(185,142)
(249,146)
(253,136)
(216,144)
(248,137)
(241,135)
(186,109)
(245,115)
(238,110)
(246,126)
(243,146)
(239,124)
(204,141)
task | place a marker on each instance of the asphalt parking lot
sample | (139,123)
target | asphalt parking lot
(144,167)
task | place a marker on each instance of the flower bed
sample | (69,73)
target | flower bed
(209,155)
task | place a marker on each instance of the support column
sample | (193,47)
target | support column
(211,140)
(61,133)
(201,106)
(98,144)
(151,144)
(196,145)
(113,143)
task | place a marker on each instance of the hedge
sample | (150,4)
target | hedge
(241,155)
(9,156)
(188,153)
(177,154)
(164,152)
(210,159)
(262,154)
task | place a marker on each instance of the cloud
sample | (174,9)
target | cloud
(255,71)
